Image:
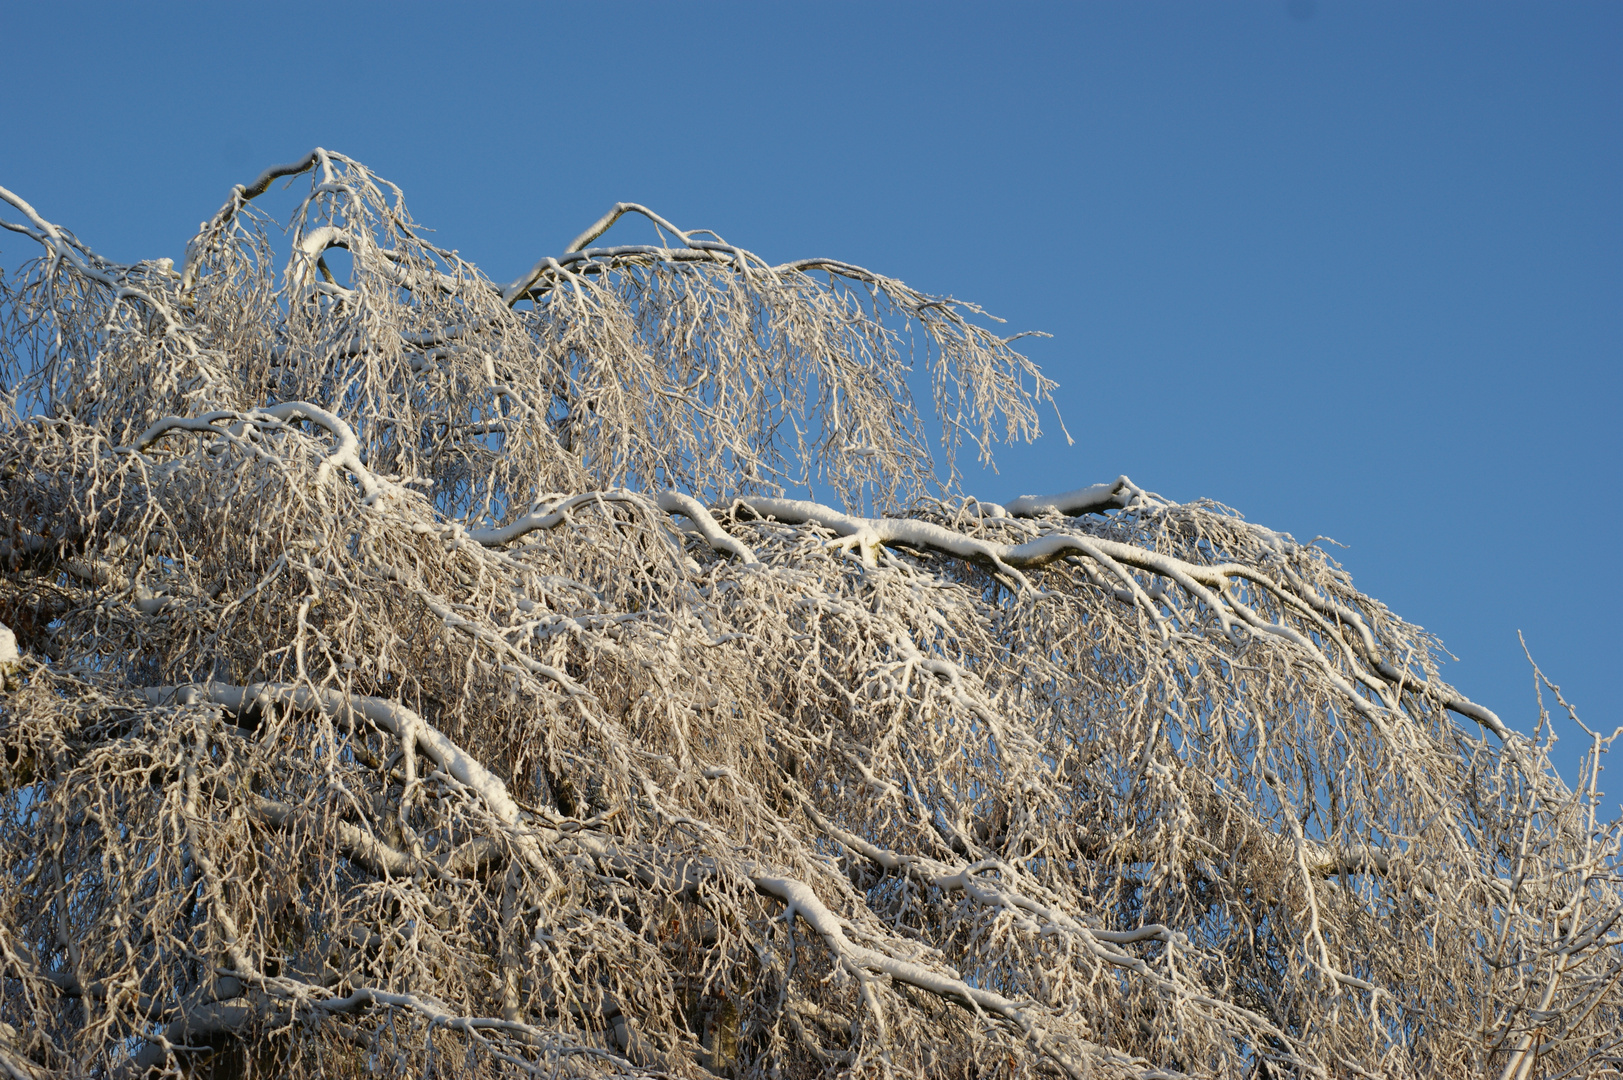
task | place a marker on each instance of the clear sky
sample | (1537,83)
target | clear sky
(1352,269)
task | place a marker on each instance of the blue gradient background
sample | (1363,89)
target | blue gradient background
(1353,269)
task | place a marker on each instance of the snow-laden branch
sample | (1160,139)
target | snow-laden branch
(1094,499)
(551,516)
(558,513)
(864,963)
(505,717)
(345,455)
(674,502)
(1209,584)
(390,716)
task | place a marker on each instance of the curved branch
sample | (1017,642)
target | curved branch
(618,210)
(241,195)
(346,455)
(674,502)
(391,716)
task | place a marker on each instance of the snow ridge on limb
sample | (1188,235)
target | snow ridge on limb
(556,513)
(345,455)
(1095,499)
(674,502)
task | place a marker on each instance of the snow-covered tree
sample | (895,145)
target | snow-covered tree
(417,675)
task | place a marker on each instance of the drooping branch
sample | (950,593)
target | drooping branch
(1209,584)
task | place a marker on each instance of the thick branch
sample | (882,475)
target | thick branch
(1089,500)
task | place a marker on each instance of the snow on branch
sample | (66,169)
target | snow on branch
(398,668)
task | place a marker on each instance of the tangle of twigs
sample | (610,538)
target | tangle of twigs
(408,674)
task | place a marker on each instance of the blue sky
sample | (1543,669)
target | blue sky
(1352,269)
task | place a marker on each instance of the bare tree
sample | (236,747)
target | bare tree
(415,675)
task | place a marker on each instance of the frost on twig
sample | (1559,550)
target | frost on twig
(419,674)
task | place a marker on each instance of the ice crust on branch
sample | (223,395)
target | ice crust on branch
(411,673)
